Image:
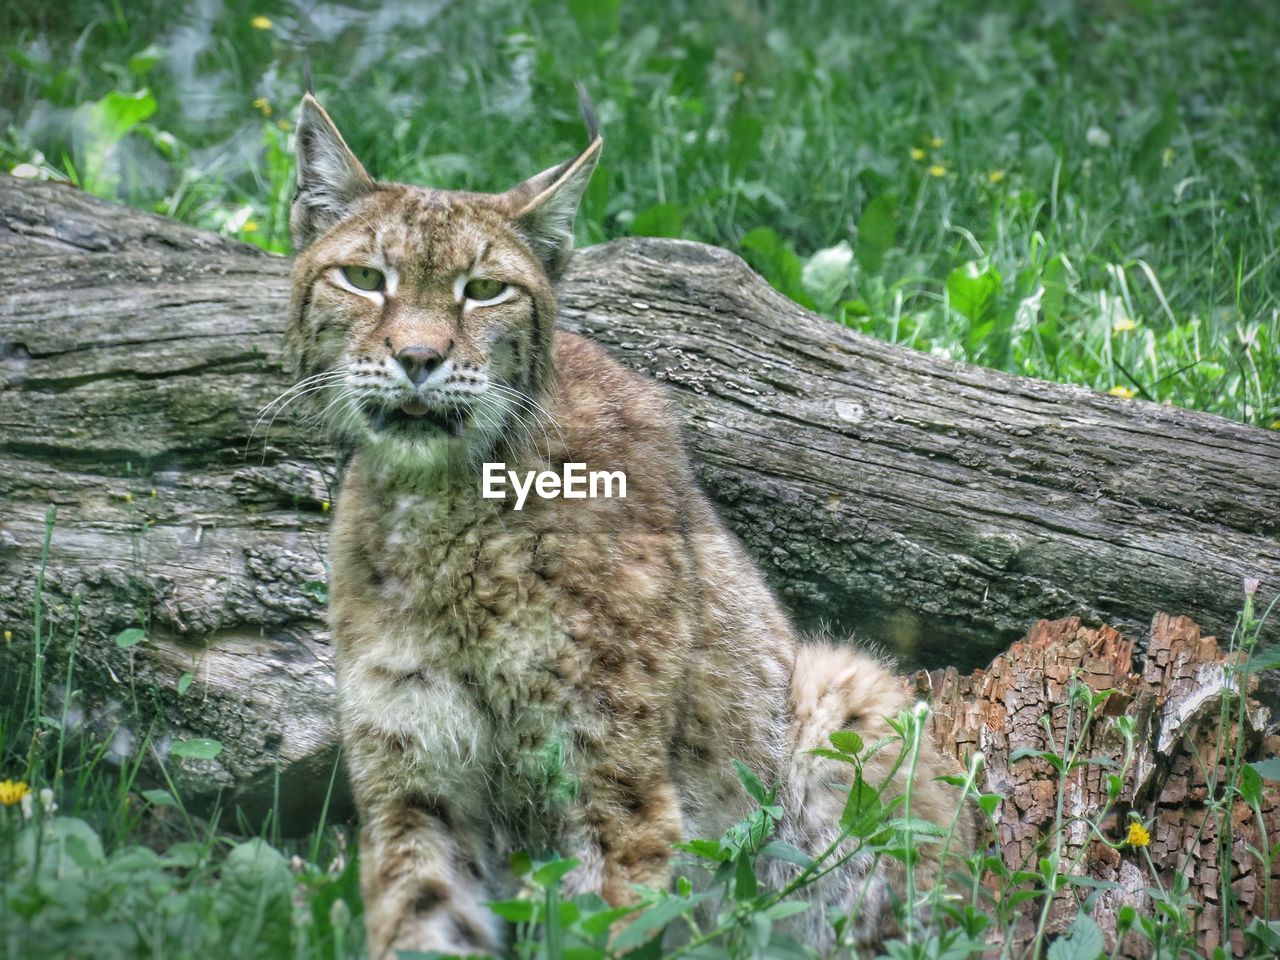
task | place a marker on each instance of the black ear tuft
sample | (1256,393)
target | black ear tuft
(330,178)
(545,206)
(588,112)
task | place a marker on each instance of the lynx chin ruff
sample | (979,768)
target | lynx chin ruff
(575,676)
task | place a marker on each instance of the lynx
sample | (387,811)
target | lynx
(574,676)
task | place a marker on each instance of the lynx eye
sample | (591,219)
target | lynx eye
(364,278)
(482,288)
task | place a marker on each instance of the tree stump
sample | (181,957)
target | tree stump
(1188,721)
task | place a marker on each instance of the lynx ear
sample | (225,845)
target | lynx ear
(544,206)
(330,178)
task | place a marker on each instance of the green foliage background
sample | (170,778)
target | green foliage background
(1081,191)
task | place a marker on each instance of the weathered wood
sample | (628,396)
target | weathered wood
(134,356)
(934,507)
(1187,726)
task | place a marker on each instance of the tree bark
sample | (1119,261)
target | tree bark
(1191,727)
(936,508)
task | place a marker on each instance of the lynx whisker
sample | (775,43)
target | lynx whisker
(530,403)
(300,388)
(540,415)
(310,385)
(513,419)
(344,393)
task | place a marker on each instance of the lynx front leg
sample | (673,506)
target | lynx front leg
(630,824)
(421,882)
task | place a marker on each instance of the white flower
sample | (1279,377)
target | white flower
(27,805)
(1097,137)
(46,802)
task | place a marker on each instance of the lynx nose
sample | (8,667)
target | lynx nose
(419,362)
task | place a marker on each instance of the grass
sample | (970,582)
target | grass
(1083,192)
(96,863)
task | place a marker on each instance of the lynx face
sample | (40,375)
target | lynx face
(423,318)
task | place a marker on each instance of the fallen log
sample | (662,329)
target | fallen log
(936,508)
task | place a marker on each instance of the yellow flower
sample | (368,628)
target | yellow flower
(263,106)
(282,124)
(1275,425)
(936,142)
(1123,392)
(739,76)
(128,497)
(1138,835)
(917,153)
(937,170)
(12,792)
(250,226)
(324,506)
(261,23)
(8,634)
(1124,324)
(995,176)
